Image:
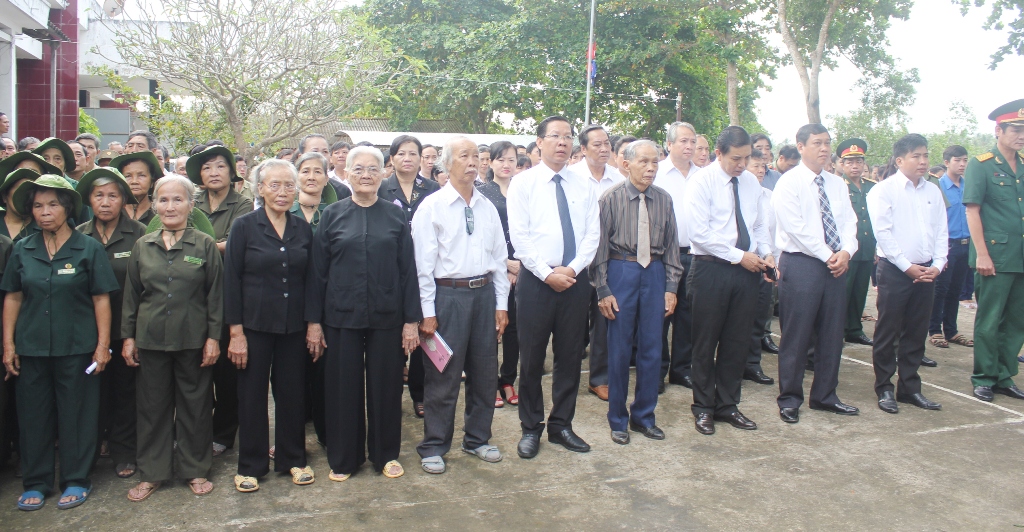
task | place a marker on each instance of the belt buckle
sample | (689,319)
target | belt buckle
(964,241)
(478,283)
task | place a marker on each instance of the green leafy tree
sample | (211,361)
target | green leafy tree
(87,124)
(997,20)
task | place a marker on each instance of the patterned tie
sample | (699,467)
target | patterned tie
(568,237)
(743,237)
(827,220)
(643,236)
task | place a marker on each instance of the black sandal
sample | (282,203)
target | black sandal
(128,466)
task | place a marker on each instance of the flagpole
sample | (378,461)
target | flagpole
(591,59)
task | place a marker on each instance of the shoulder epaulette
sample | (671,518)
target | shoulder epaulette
(985,156)
(869,179)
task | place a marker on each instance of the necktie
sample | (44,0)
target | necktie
(643,235)
(568,237)
(743,238)
(827,220)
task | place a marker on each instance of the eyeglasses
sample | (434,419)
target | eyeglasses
(469,220)
(358,171)
(553,136)
(274,187)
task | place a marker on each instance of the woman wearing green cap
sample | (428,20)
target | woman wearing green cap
(141,170)
(17,225)
(56,325)
(171,324)
(107,192)
(214,169)
(58,153)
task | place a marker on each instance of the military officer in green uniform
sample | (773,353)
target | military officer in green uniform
(56,325)
(994,195)
(107,192)
(851,154)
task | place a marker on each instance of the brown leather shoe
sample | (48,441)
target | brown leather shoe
(600,391)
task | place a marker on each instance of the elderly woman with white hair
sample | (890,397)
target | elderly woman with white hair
(171,324)
(363,297)
(265,273)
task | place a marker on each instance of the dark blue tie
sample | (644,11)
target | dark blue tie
(568,237)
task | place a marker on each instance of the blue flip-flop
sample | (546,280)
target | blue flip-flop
(73,491)
(31,495)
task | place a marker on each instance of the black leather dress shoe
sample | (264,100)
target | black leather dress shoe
(984,393)
(919,401)
(528,446)
(758,376)
(1012,391)
(861,339)
(568,439)
(620,437)
(887,403)
(790,415)
(928,363)
(661,387)
(738,420)
(705,424)
(686,382)
(767,344)
(837,408)
(809,366)
(1020,358)
(652,432)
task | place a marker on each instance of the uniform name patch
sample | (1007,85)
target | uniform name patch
(194,260)
(123,255)
(66,271)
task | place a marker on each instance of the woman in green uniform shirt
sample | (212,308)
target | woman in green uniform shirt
(17,225)
(59,154)
(107,192)
(214,169)
(171,323)
(56,325)
(141,170)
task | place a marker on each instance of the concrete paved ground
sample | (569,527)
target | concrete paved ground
(958,469)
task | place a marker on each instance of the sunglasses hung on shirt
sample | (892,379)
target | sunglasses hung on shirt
(469,220)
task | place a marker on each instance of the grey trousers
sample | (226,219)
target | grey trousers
(465,319)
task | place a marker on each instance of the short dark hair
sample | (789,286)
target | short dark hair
(804,133)
(304,140)
(954,151)
(756,153)
(484,148)
(623,140)
(937,170)
(340,145)
(425,146)
(542,127)
(366,143)
(584,135)
(63,197)
(758,137)
(197,149)
(151,142)
(789,152)
(216,142)
(239,158)
(402,139)
(497,150)
(523,161)
(732,137)
(908,144)
(530,147)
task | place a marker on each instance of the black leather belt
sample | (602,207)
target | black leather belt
(961,241)
(710,258)
(472,282)
(684,250)
(924,264)
(630,258)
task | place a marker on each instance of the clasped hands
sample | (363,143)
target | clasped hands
(609,306)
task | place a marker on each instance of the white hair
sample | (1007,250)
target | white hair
(629,153)
(444,162)
(260,172)
(186,183)
(672,131)
(364,150)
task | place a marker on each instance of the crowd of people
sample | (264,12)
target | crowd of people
(153,302)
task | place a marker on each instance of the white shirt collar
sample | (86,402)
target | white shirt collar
(451,195)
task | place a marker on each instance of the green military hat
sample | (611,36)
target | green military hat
(107,155)
(50,181)
(196,220)
(11,163)
(145,156)
(1009,113)
(85,185)
(851,148)
(14,177)
(195,163)
(65,150)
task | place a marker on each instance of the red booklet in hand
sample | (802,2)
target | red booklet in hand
(437,351)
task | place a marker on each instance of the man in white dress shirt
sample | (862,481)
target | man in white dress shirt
(816,231)
(460,261)
(554,226)
(908,215)
(673,175)
(730,243)
(597,149)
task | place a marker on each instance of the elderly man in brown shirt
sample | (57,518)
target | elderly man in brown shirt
(637,272)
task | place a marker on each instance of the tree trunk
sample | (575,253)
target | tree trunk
(732,82)
(812,100)
(809,80)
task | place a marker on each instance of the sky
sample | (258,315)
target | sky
(951,53)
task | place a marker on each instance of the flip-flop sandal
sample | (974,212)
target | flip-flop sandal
(338,478)
(148,491)
(81,493)
(302,476)
(121,468)
(31,495)
(487,453)
(196,486)
(272,451)
(388,472)
(433,465)
(245,484)
(867,317)
(960,339)
(939,341)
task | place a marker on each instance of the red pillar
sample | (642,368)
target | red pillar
(34,83)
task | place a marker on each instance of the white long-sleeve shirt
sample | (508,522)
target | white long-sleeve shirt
(909,222)
(535,227)
(610,178)
(671,180)
(445,250)
(798,224)
(711,214)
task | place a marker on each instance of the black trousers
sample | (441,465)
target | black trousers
(904,308)
(723,299)
(762,315)
(281,357)
(561,317)
(117,407)
(811,301)
(416,375)
(364,397)
(315,402)
(225,396)
(677,366)
(509,369)
(598,337)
